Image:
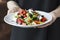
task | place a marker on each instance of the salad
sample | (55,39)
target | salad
(30,17)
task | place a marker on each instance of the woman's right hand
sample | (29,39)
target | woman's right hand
(14,10)
(12,7)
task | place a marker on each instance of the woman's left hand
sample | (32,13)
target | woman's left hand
(55,14)
(53,20)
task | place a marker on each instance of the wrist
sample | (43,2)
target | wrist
(56,12)
(53,15)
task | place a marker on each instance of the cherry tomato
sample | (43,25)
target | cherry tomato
(19,21)
(25,16)
(43,19)
(24,12)
(22,21)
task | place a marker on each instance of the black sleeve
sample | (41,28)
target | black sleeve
(59,1)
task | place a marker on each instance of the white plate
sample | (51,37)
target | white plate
(9,19)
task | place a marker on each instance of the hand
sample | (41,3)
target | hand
(12,4)
(53,20)
(55,14)
(12,7)
(14,10)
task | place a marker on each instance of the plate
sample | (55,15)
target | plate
(9,19)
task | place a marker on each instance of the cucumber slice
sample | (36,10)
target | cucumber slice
(30,15)
(35,18)
(41,22)
(16,16)
(27,20)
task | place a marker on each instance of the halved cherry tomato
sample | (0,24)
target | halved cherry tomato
(43,19)
(22,21)
(19,21)
(24,12)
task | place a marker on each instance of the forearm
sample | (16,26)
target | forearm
(57,12)
(12,5)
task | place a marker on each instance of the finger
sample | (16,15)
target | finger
(10,11)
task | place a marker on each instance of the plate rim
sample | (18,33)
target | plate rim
(27,26)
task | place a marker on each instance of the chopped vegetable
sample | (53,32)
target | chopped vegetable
(30,15)
(29,18)
(43,19)
(37,22)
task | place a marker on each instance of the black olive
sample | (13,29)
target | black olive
(30,15)
(22,17)
(42,15)
(35,18)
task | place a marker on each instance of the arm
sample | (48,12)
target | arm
(56,12)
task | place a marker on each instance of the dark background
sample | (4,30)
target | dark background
(5,29)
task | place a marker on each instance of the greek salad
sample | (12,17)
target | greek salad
(29,17)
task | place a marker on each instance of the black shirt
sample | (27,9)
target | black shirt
(43,5)
(53,31)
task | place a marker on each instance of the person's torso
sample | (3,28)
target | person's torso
(43,5)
